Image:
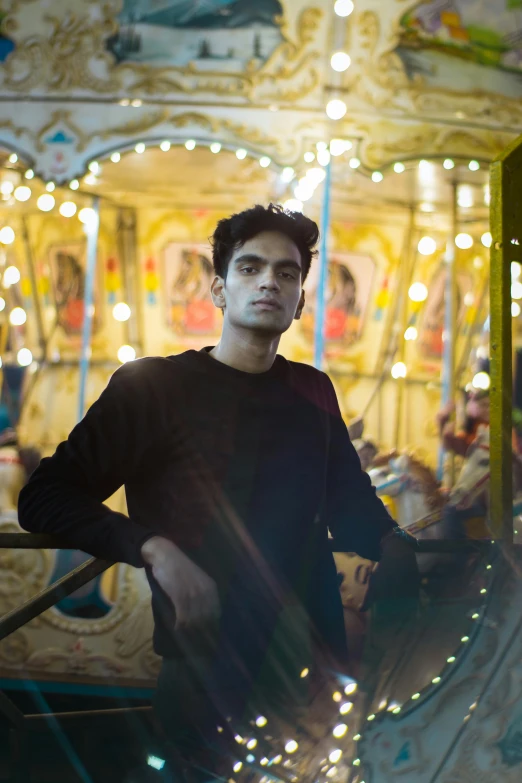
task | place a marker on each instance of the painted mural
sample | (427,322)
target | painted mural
(187,275)
(460,44)
(67,267)
(221,35)
(350,278)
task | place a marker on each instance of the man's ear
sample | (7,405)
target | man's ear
(300,307)
(217,291)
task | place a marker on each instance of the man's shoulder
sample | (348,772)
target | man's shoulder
(152,370)
(312,383)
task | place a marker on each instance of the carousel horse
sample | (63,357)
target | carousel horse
(471,491)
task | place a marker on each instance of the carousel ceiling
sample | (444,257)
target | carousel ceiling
(400,80)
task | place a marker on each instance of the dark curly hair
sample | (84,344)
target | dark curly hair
(232,232)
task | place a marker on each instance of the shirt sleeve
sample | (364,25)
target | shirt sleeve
(356,517)
(118,437)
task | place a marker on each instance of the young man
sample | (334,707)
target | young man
(236,464)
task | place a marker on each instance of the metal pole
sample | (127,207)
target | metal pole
(127,251)
(450,321)
(409,266)
(505,228)
(92,228)
(320,312)
(36,299)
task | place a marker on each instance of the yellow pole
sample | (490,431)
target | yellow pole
(506,187)
(409,265)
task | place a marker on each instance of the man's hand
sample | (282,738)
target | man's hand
(193,593)
(396,579)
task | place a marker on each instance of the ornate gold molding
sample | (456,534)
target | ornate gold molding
(72,54)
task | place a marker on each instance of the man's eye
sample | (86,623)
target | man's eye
(248,269)
(288,275)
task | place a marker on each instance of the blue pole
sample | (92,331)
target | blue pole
(320,311)
(91,229)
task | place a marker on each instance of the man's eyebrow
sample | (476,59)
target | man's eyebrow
(253,258)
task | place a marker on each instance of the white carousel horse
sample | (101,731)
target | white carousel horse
(472,485)
(411,485)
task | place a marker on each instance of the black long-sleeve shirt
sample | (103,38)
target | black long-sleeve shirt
(246,473)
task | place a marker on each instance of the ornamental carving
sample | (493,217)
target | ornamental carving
(92,47)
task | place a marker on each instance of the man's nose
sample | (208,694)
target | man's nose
(269,282)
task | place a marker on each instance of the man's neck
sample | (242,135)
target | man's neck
(248,353)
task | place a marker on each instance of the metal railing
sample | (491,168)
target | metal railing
(77,578)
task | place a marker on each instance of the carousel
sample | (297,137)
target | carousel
(127,130)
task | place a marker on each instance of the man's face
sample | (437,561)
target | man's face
(263,288)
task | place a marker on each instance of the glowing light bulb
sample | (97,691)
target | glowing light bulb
(469,299)
(121,311)
(316,175)
(74,184)
(427,246)
(165,146)
(17,316)
(516,268)
(449,164)
(11,276)
(140,148)
(350,688)
(94,166)
(29,174)
(13,158)
(436,680)
(304,190)
(6,188)
(241,153)
(126,353)
(215,147)
(337,696)
(323,157)
(22,193)
(291,746)
(415,696)
(465,197)
(516,289)
(7,235)
(335,756)
(340,730)
(305,673)
(418,292)
(67,209)
(340,61)
(474,165)
(411,334)
(337,147)
(336,109)
(238,766)
(451,659)
(345,708)
(293,205)
(309,157)
(115,157)
(261,721)
(264,761)
(486,239)
(344,7)
(399,370)
(287,174)
(399,168)
(87,215)
(24,357)
(371,717)
(354,163)
(190,145)
(464,241)
(265,162)
(377,176)
(515,309)
(481,381)
(251,744)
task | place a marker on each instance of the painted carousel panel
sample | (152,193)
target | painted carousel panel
(458,44)
(223,35)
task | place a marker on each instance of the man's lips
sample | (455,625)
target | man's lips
(267,304)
